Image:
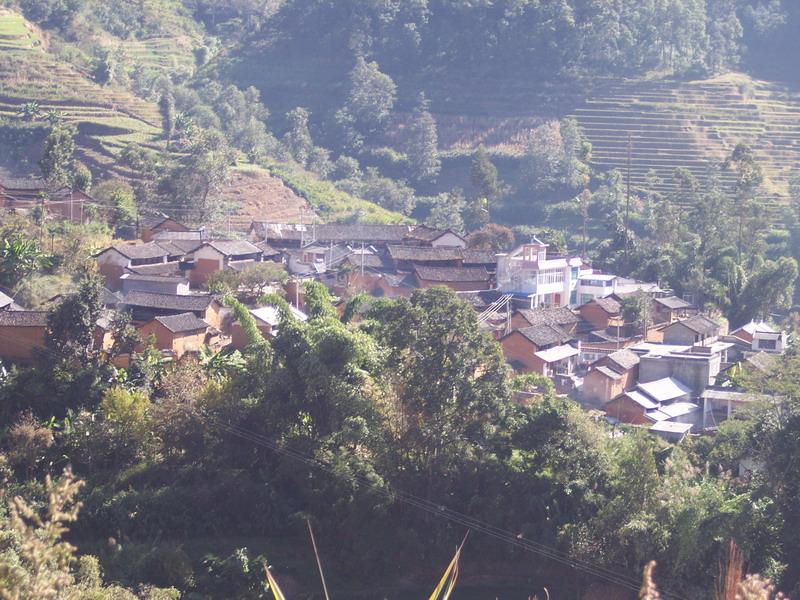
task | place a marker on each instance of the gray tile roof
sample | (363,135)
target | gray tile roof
(452,274)
(186,246)
(428,234)
(23,318)
(22,183)
(332,232)
(673,302)
(150,221)
(425,253)
(479,257)
(609,305)
(267,249)
(138,251)
(699,324)
(549,316)
(192,302)
(233,247)
(624,359)
(170,269)
(545,335)
(763,361)
(370,261)
(183,323)
(155,278)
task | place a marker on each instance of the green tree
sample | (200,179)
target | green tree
(484,176)
(57,162)
(19,258)
(370,101)
(446,209)
(257,278)
(769,289)
(82,178)
(491,237)
(196,181)
(30,111)
(224,281)
(71,324)
(450,379)
(422,143)
(298,139)
(166,105)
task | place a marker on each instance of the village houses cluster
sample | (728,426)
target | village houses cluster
(554,315)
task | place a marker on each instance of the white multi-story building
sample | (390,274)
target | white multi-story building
(549,281)
(557,281)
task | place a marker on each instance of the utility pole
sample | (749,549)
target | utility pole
(301,227)
(362,259)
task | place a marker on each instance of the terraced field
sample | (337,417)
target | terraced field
(107,118)
(174,54)
(695,125)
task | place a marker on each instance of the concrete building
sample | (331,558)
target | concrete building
(695,366)
(762,337)
(547,281)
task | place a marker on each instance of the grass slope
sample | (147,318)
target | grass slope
(330,203)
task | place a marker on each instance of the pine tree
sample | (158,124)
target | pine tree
(422,143)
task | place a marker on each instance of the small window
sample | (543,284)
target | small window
(574,274)
(767,344)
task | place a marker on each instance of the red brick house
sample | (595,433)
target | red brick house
(611,376)
(22,332)
(563,317)
(521,346)
(118,259)
(151,225)
(177,333)
(217,255)
(602,313)
(145,306)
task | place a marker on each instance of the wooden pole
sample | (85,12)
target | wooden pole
(319,562)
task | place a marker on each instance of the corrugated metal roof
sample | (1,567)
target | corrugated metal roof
(664,390)
(671,427)
(557,353)
(641,399)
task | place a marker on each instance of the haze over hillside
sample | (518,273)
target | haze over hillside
(391,273)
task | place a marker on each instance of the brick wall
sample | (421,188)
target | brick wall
(18,343)
(519,350)
(627,411)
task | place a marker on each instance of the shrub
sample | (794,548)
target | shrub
(28,442)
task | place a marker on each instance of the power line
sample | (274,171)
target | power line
(454,516)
